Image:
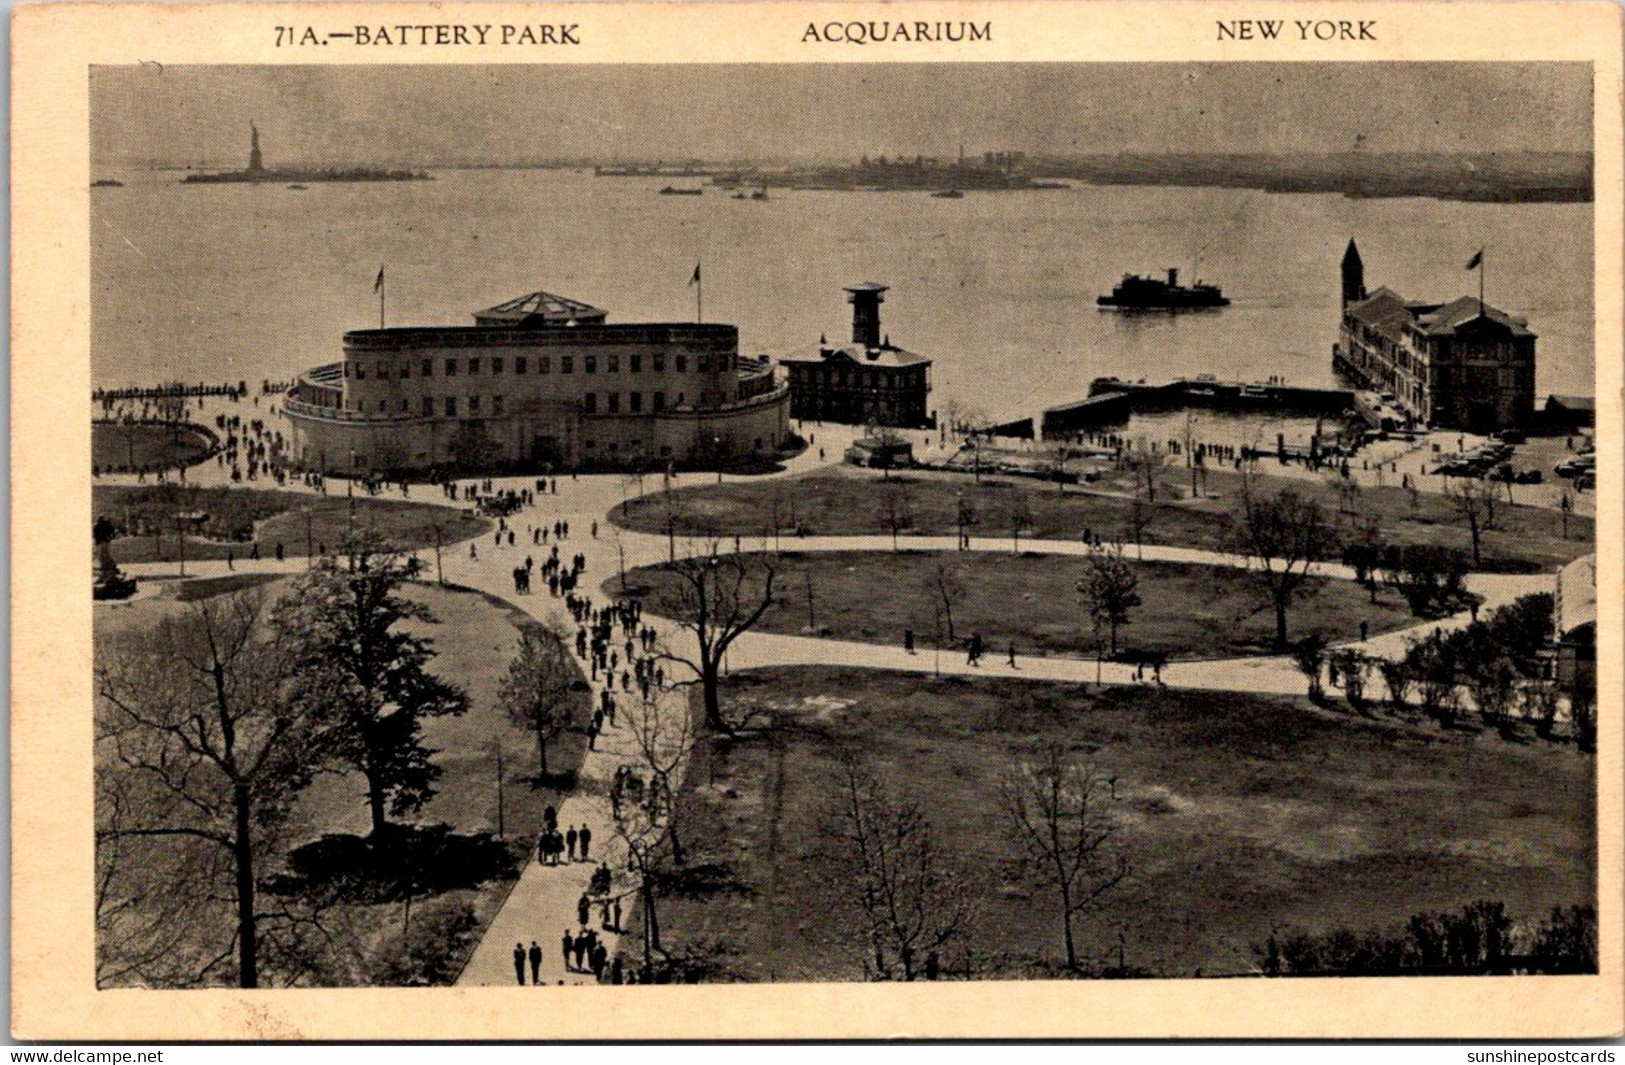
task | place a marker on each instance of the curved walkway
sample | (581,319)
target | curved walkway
(544,900)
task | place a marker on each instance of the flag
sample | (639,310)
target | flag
(1478,257)
(696,278)
(378,285)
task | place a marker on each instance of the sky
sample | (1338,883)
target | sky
(430,115)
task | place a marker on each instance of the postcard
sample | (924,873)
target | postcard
(816,520)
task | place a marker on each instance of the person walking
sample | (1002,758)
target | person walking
(569,946)
(617,975)
(535,963)
(600,961)
(519,962)
(570,842)
(617,925)
(583,906)
(585,837)
(908,640)
(1013,655)
(581,951)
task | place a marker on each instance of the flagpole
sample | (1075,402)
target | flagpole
(380,297)
(1481,282)
(699,296)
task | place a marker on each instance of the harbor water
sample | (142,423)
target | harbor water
(242,281)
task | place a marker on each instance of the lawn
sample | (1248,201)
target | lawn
(235,519)
(474,637)
(1187,611)
(1237,813)
(843,500)
(146,446)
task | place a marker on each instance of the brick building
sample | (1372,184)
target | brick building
(868,380)
(1461,365)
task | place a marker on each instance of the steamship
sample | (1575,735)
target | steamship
(1154,294)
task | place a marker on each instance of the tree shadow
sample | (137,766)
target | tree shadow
(561,781)
(699,880)
(403,861)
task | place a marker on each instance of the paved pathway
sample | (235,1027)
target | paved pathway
(543,902)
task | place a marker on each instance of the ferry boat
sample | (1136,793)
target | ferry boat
(673,190)
(1150,293)
(949,194)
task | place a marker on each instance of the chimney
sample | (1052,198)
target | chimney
(866,299)
(1173,276)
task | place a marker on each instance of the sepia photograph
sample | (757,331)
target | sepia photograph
(607,524)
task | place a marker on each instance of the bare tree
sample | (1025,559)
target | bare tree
(198,713)
(1060,453)
(1019,516)
(947,588)
(640,817)
(1537,701)
(1056,806)
(1493,686)
(1349,670)
(896,509)
(1398,677)
(664,732)
(1147,466)
(911,900)
(674,516)
(1109,589)
(1309,655)
(1139,518)
(537,692)
(964,518)
(1286,534)
(1437,669)
(720,596)
(1474,503)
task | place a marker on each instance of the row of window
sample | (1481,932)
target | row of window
(860,378)
(475,406)
(544,364)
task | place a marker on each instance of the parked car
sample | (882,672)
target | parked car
(1579,464)
(1528,477)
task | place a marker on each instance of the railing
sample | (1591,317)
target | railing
(339,414)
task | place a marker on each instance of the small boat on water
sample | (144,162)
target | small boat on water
(107,183)
(948,194)
(759,194)
(297,188)
(672,190)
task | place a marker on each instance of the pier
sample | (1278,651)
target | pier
(1111,401)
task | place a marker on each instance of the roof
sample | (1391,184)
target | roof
(885,355)
(549,308)
(1576,594)
(1572,402)
(866,286)
(1352,255)
(1385,311)
(1458,312)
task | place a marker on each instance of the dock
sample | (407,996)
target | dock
(1111,401)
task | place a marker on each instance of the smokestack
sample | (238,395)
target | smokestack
(1173,276)
(866,299)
